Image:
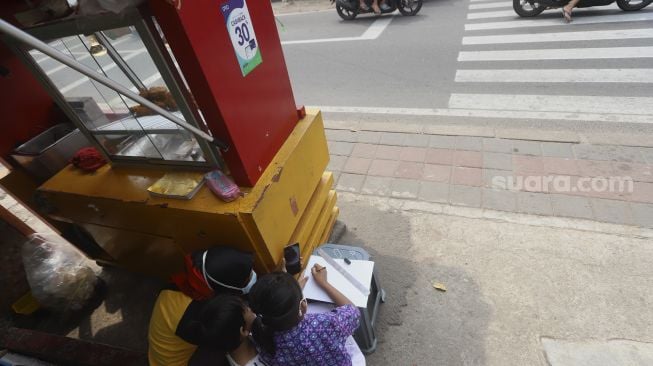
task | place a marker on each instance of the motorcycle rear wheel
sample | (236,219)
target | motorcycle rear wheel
(525,9)
(409,7)
(626,6)
(344,13)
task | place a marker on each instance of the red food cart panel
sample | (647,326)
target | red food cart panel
(255,113)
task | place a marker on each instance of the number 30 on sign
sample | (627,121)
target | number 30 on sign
(241,32)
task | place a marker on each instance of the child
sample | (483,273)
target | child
(287,335)
(225,324)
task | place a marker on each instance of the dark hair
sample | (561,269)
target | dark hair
(230,266)
(275,299)
(220,321)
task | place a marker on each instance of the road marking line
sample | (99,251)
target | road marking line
(492,14)
(371,33)
(151,79)
(600,19)
(304,12)
(55,44)
(107,107)
(556,76)
(484,113)
(78,82)
(375,30)
(322,40)
(84,56)
(62,66)
(492,5)
(560,36)
(555,103)
(558,54)
(35,53)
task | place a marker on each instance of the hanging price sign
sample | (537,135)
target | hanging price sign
(241,32)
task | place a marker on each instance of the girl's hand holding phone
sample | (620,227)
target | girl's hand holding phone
(281,267)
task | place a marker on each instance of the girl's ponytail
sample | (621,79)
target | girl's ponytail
(263,335)
(275,299)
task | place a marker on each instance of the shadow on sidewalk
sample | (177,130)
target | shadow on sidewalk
(417,325)
(119,315)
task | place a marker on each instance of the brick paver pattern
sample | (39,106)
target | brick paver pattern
(463,170)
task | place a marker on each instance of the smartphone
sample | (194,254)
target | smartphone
(291,254)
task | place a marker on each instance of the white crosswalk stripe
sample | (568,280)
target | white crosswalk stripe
(561,36)
(509,12)
(527,68)
(641,16)
(556,76)
(500,4)
(492,14)
(557,54)
(68,87)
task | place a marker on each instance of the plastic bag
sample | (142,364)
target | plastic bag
(60,277)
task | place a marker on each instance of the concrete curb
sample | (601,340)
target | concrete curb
(617,139)
(387,203)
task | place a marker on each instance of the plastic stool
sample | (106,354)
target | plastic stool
(365,335)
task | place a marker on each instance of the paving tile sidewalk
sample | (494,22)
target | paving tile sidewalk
(605,183)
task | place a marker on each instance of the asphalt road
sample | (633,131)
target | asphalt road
(73,84)
(476,62)
(466,62)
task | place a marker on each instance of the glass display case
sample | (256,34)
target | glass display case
(130,50)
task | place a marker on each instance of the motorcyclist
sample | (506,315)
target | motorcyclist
(566,10)
(375,6)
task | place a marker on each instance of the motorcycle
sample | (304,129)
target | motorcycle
(349,9)
(531,8)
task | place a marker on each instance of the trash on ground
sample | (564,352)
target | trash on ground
(58,274)
(439,286)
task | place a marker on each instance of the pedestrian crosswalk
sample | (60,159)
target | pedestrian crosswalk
(561,36)
(72,84)
(598,68)
(544,21)
(557,54)
(556,76)
(491,5)
(490,14)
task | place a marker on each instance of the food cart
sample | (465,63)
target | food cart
(227,104)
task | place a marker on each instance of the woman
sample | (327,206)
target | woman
(175,325)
